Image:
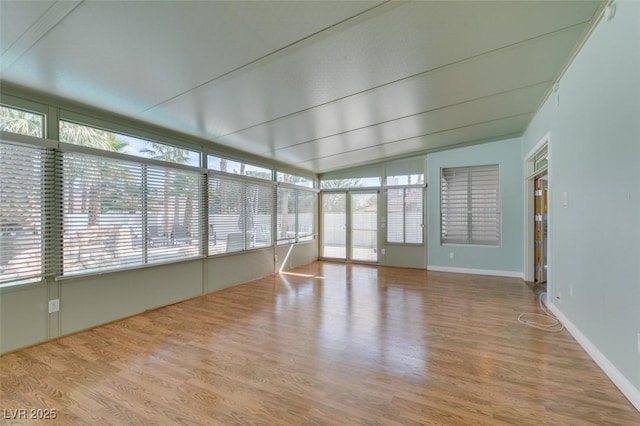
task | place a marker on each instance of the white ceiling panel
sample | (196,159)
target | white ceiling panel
(319,84)
(393,42)
(483,110)
(512,68)
(282,23)
(495,130)
(16,17)
(131,55)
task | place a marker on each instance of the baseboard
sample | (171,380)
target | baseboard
(626,387)
(512,274)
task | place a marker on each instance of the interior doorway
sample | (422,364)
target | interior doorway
(540,227)
(537,238)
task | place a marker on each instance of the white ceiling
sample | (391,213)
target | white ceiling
(322,85)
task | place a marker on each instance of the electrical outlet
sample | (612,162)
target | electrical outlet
(383,251)
(54,305)
(451,255)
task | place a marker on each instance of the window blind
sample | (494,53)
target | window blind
(470,209)
(405,215)
(259,202)
(240,215)
(102,214)
(26,207)
(286,214)
(306,215)
(173,225)
(118,214)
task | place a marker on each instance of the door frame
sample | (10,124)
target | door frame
(348,225)
(529,176)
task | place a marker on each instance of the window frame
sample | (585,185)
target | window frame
(244,182)
(296,191)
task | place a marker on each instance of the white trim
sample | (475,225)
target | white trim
(528,187)
(545,140)
(512,274)
(626,387)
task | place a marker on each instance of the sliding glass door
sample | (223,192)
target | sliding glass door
(334,225)
(350,225)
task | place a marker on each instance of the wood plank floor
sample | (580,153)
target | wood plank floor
(325,344)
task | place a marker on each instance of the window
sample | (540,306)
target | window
(22,122)
(470,209)
(93,137)
(405,180)
(26,174)
(173,213)
(306,215)
(118,214)
(405,215)
(350,183)
(296,215)
(226,165)
(286,215)
(293,179)
(240,215)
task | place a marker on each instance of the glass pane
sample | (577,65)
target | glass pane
(102,214)
(293,179)
(286,214)
(92,137)
(334,225)
(173,217)
(306,215)
(413,216)
(22,122)
(235,167)
(24,183)
(225,221)
(405,180)
(395,215)
(258,208)
(364,228)
(350,183)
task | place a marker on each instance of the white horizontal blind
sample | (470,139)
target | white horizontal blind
(225,220)
(405,215)
(306,214)
(102,210)
(286,214)
(395,215)
(26,205)
(470,206)
(258,218)
(118,214)
(413,215)
(173,213)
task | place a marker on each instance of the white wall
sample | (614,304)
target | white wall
(594,259)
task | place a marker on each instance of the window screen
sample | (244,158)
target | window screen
(470,209)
